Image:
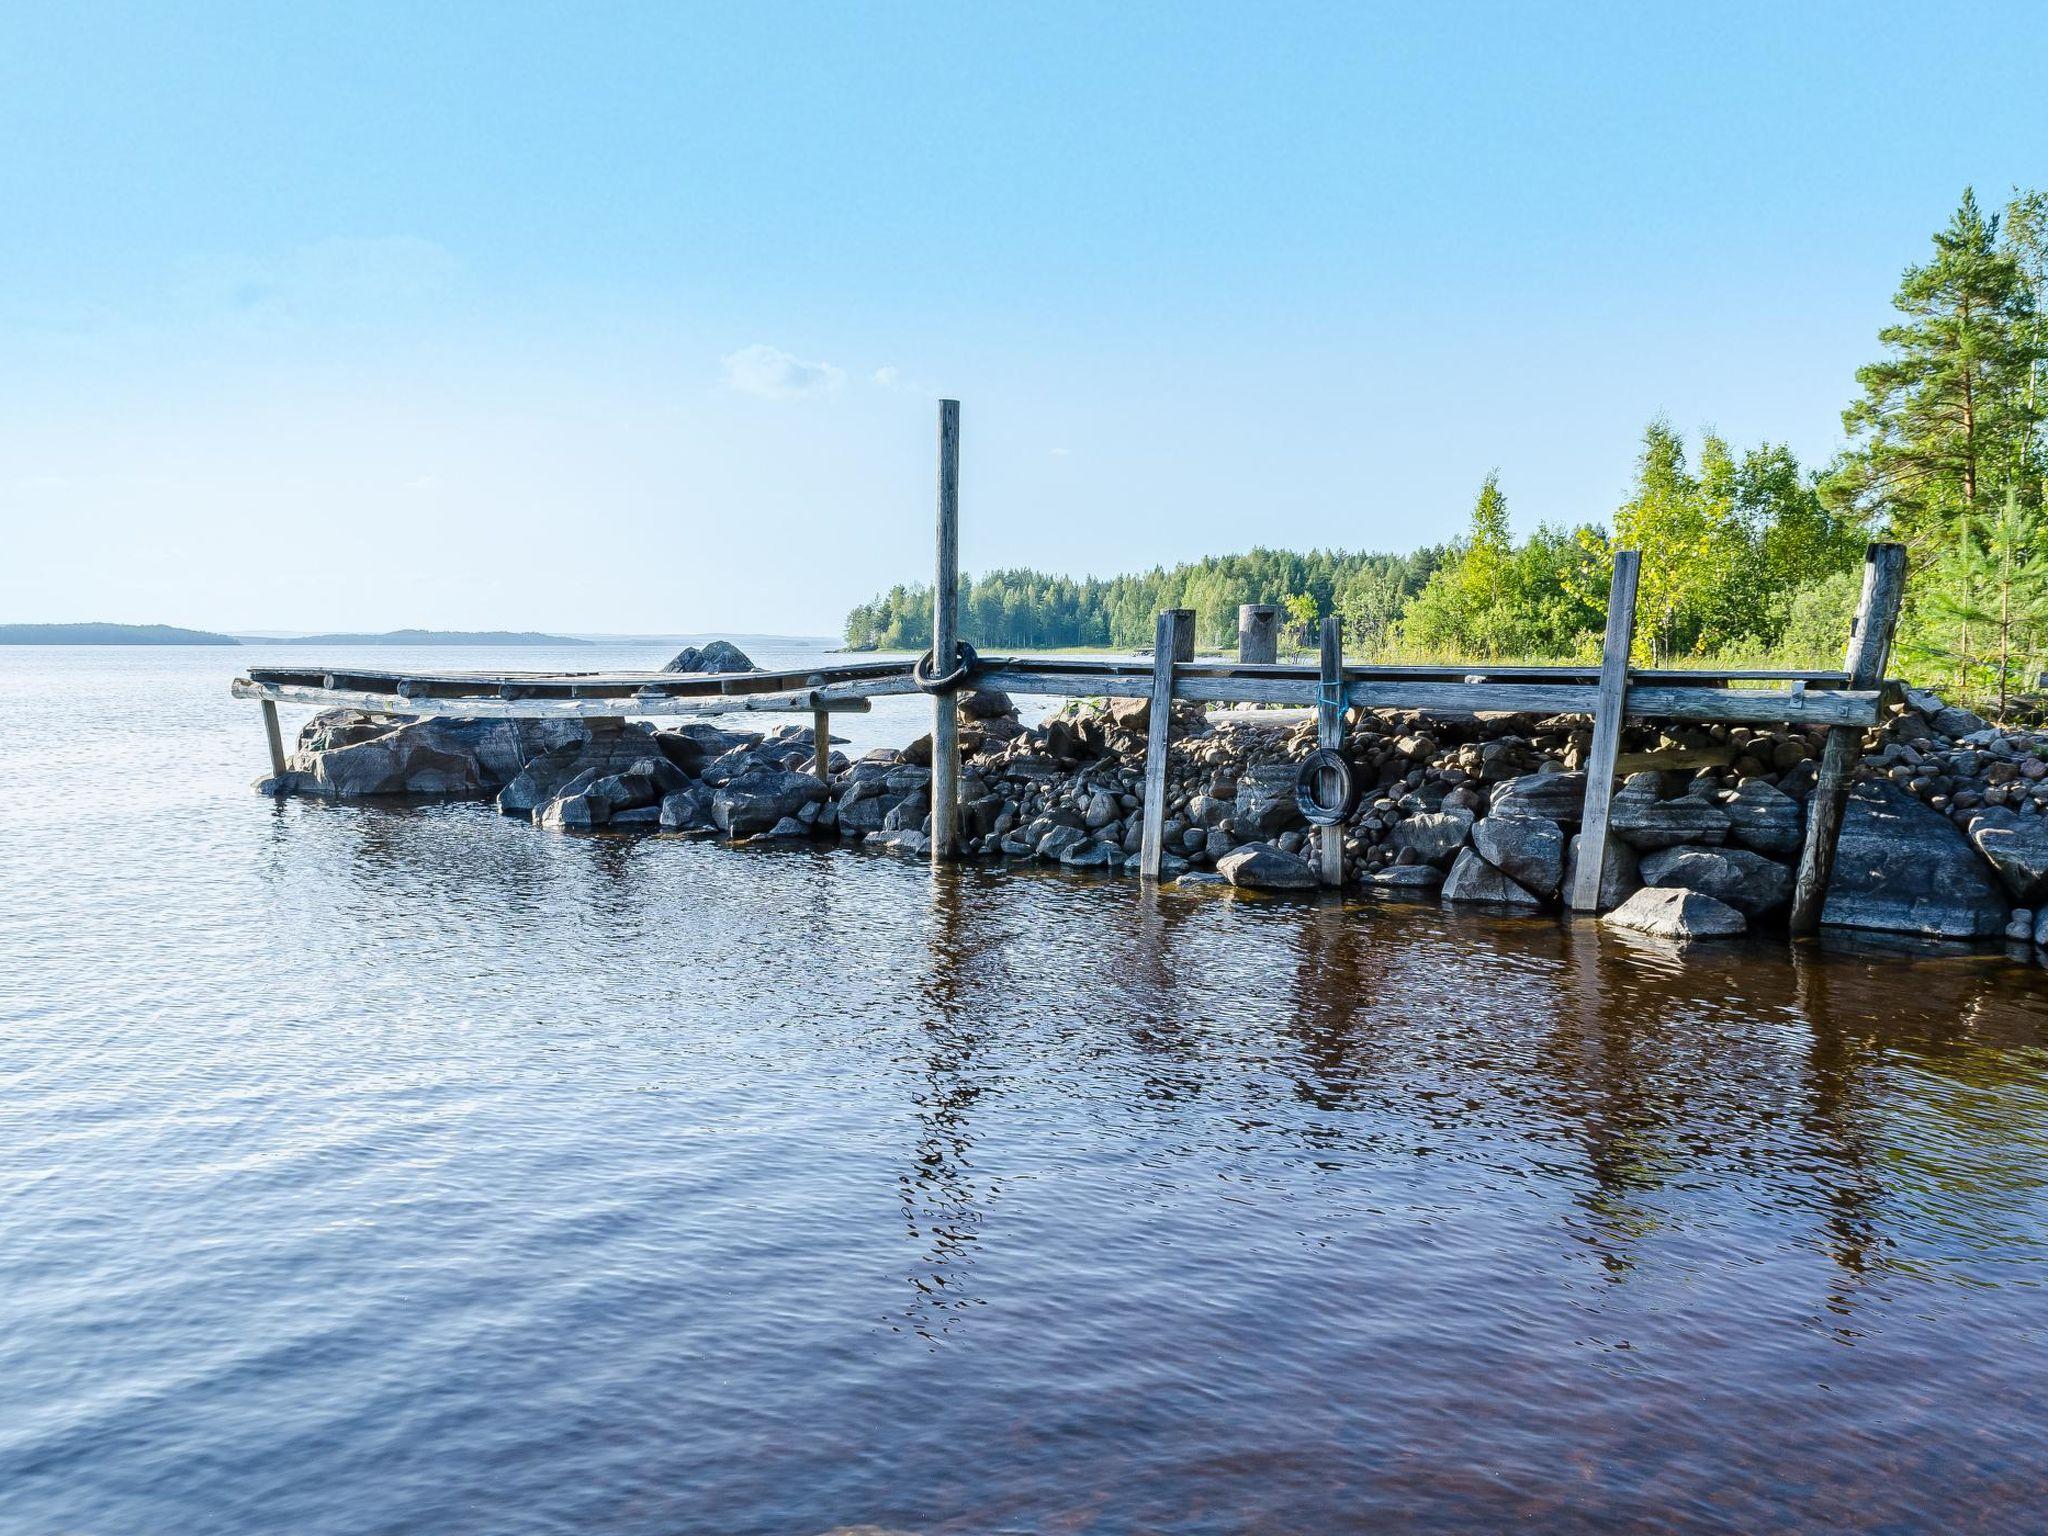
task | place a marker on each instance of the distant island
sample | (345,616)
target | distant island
(434,637)
(109,634)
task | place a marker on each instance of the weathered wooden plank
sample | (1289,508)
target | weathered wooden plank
(274,737)
(1609,711)
(799,701)
(1330,734)
(1172,636)
(1870,643)
(945,640)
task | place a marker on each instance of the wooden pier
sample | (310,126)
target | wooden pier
(1609,693)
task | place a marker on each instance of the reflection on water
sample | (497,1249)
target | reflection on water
(406,1170)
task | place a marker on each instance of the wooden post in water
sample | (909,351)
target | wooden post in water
(1870,645)
(1330,734)
(1610,709)
(945,640)
(276,740)
(821,746)
(1258,633)
(1173,640)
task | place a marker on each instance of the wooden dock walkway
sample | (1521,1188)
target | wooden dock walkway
(1610,692)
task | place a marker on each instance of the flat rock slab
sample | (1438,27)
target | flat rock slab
(1475,881)
(1647,823)
(1902,867)
(1763,817)
(1667,912)
(1262,867)
(1409,877)
(1553,796)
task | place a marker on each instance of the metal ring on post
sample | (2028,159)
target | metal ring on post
(1308,786)
(966,659)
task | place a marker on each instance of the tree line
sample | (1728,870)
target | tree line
(1748,555)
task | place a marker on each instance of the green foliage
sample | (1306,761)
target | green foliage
(1747,558)
(1982,624)
(1949,418)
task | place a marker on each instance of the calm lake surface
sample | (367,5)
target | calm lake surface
(414,1170)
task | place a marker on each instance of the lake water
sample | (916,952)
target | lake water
(414,1170)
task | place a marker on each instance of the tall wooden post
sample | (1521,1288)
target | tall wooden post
(1330,734)
(1610,709)
(1870,645)
(945,640)
(821,746)
(1173,640)
(272,735)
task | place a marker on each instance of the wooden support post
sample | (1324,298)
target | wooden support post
(1330,734)
(276,740)
(1870,645)
(945,640)
(821,746)
(1172,641)
(1610,709)
(1258,633)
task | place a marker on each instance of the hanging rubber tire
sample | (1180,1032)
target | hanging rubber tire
(965,662)
(1323,770)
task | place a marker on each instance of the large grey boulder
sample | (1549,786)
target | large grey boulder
(1474,880)
(1643,821)
(2017,848)
(615,749)
(1762,816)
(347,755)
(1408,877)
(718,656)
(1432,836)
(1527,849)
(1266,806)
(1745,880)
(1904,868)
(1669,912)
(1262,867)
(1553,796)
(1620,873)
(687,810)
(755,800)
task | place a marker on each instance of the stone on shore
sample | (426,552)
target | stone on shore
(1763,817)
(1527,849)
(1474,880)
(1552,796)
(1408,877)
(1432,836)
(1646,823)
(1262,867)
(1620,872)
(1752,884)
(1904,868)
(753,801)
(2016,847)
(1669,912)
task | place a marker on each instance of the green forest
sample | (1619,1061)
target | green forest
(1748,555)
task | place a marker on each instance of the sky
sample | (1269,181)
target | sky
(632,318)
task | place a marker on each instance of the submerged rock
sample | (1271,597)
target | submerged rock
(1668,912)
(1905,868)
(1474,880)
(1262,867)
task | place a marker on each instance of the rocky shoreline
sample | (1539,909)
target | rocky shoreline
(1945,836)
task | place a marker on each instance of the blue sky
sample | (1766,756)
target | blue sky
(630,318)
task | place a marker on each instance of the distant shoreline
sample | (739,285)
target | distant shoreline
(109,634)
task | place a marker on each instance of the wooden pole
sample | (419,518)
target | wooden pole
(1330,734)
(276,740)
(821,746)
(1610,708)
(945,640)
(1258,633)
(1870,645)
(1173,640)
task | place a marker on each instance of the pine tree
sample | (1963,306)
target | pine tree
(1944,418)
(1984,621)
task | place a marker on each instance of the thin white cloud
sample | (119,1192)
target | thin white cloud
(774,374)
(1060,453)
(887,377)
